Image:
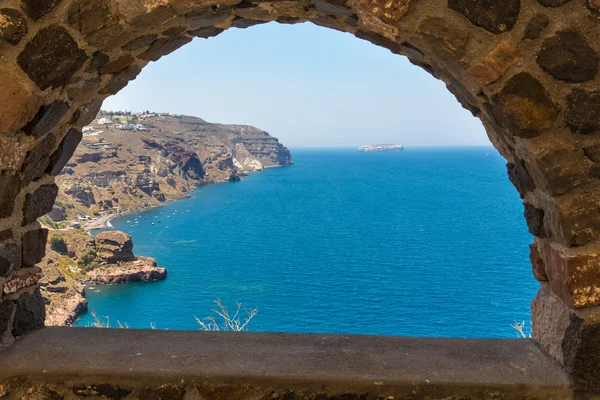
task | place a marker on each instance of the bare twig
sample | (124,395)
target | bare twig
(519,326)
(230,322)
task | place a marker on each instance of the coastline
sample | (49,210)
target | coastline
(100,223)
(104,221)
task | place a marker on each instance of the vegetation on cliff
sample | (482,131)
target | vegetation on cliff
(74,259)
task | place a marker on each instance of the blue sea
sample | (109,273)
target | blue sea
(425,242)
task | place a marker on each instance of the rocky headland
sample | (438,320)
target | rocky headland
(127,162)
(74,259)
(118,264)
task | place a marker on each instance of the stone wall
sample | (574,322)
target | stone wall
(527,68)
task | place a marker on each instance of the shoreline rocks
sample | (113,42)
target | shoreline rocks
(143,269)
(106,259)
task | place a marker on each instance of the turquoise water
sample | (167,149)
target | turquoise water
(428,242)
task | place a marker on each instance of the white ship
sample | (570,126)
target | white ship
(380,147)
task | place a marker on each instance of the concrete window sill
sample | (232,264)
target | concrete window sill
(221,365)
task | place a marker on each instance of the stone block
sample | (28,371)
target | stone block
(496,16)
(562,167)
(6,235)
(206,33)
(13,27)
(85,89)
(567,56)
(242,23)
(551,319)
(520,177)
(583,113)
(98,61)
(30,313)
(163,47)
(51,58)
(208,16)
(118,65)
(389,12)
(592,153)
(18,104)
(46,119)
(38,159)
(574,278)
(253,11)
(39,203)
(535,26)
(10,184)
(140,42)
(175,31)
(22,279)
(495,64)
(120,80)
(7,308)
(539,267)
(570,337)
(38,8)
(333,7)
(443,35)
(535,220)
(525,106)
(65,151)
(145,14)
(412,52)
(88,113)
(578,218)
(553,3)
(33,246)
(10,258)
(12,153)
(96,22)
(593,6)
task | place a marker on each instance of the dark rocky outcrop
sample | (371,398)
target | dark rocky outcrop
(114,246)
(107,259)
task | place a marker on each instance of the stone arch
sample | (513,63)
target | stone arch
(527,68)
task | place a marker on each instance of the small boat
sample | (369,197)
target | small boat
(128,221)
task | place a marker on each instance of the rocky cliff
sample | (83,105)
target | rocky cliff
(74,259)
(126,162)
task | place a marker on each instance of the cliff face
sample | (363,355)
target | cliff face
(163,158)
(125,163)
(74,259)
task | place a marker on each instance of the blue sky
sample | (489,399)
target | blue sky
(308,86)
